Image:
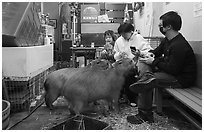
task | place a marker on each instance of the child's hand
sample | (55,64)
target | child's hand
(108,46)
(104,52)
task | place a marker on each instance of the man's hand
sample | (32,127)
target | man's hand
(150,54)
(148,58)
(146,55)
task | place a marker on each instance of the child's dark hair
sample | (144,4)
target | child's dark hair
(171,18)
(125,28)
(110,33)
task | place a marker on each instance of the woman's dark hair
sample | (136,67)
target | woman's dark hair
(125,28)
(111,33)
(171,18)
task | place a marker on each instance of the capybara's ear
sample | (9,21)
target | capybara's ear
(89,64)
(93,62)
(115,64)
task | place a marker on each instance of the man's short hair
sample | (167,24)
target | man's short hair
(125,28)
(171,18)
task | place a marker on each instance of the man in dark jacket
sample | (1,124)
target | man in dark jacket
(173,64)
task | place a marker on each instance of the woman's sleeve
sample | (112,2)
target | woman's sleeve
(143,46)
(117,52)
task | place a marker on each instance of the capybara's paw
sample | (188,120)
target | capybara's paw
(51,107)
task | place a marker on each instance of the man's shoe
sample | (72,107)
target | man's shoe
(146,83)
(140,118)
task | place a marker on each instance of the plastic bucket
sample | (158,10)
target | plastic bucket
(5,114)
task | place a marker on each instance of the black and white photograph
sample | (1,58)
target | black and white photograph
(101,65)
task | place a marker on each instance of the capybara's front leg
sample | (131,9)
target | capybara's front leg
(48,102)
(50,97)
(78,106)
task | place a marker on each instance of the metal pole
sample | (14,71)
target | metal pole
(74,17)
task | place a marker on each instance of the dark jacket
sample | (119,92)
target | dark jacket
(176,57)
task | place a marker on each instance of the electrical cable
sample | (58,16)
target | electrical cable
(27,115)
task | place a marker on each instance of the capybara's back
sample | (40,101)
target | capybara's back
(55,81)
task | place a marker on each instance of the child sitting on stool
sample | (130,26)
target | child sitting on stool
(108,53)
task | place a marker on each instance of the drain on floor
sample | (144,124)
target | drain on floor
(81,122)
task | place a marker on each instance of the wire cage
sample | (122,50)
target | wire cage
(154,41)
(21,91)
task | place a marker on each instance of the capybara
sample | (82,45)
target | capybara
(93,84)
(55,81)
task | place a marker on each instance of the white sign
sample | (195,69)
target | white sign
(197,9)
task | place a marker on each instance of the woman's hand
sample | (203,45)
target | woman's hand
(123,55)
(136,52)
